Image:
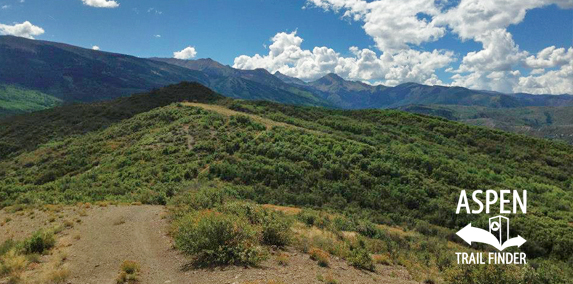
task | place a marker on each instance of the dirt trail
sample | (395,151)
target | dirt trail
(268,123)
(109,235)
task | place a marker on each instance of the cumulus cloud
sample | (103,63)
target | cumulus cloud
(550,57)
(393,25)
(95,47)
(492,67)
(288,57)
(552,82)
(101,3)
(187,53)
(25,29)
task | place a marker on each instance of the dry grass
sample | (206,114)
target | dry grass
(320,256)
(128,273)
(383,259)
(12,265)
(290,211)
(264,282)
(103,203)
(282,259)
(57,275)
(328,279)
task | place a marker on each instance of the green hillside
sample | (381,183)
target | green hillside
(543,122)
(14,100)
(382,166)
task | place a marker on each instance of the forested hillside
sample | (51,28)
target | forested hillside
(14,100)
(554,123)
(384,166)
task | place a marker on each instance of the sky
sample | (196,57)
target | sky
(499,45)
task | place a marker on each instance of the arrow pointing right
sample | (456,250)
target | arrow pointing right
(471,234)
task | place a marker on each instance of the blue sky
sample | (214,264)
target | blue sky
(226,29)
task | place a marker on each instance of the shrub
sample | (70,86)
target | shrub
(204,197)
(130,267)
(276,229)
(313,218)
(128,273)
(39,242)
(320,256)
(217,239)
(253,213)
(360,258)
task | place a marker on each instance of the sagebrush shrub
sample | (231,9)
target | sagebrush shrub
(360,258)
(276,229)
(39,242)
(213,238)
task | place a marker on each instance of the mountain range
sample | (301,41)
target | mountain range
(40,74)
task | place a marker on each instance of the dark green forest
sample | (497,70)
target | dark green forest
(382,166)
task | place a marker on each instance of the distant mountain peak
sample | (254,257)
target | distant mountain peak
(288,79)
(330,79)
(333,77)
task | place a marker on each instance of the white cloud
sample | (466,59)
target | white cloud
(4,7)
(101,3)
(538,71)
(25,29)
(287,56)
(492,67)
(393,25)
(473,18)
(499,53)
(95,47)
(550,57)
(187,53)
(157,36)
(553,82)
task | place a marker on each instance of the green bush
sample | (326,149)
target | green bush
(253,213)
(313,218)
(214,238)
(360,258)
(276,229)
(39,242)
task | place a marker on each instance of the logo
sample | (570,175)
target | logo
(498,234)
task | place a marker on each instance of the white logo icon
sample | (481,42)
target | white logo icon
(498,235)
